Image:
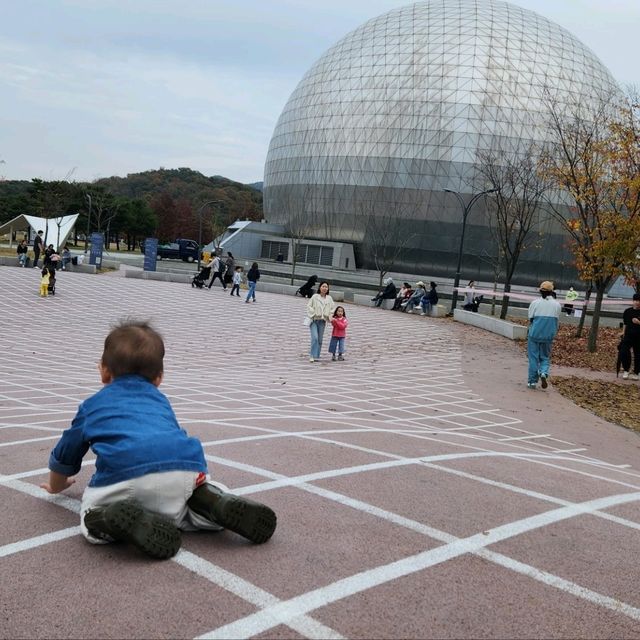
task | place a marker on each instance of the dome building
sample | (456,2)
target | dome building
(399,110)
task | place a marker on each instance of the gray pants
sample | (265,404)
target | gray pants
(163,493)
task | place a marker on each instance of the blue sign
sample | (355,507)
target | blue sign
(150,254)
(97,245)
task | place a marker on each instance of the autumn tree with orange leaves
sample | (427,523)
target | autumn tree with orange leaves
(594,163)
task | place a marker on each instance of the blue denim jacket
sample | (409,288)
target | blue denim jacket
(132,429)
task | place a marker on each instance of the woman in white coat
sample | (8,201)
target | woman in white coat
(319,311)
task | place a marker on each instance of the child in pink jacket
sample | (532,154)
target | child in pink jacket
(339,322)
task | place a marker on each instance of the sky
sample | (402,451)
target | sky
(96,88)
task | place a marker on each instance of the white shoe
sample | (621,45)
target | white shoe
(633,376)
(312,359)
(423,314)
(625,375)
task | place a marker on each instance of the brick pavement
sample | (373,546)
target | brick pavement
(421,490)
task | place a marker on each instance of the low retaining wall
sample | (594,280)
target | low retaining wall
(162,276)
(439,311)
(489,323)
(365,300)
(8,261)
(267,287)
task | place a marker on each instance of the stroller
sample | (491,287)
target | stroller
(200,278)
(306,290)
(52,280)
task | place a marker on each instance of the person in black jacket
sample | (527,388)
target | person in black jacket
(22,253)
(38,245)
(307,289)
(631,339)
(252,280)
(429,299)
(389,292)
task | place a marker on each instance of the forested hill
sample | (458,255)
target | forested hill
(186,184)
(185,187)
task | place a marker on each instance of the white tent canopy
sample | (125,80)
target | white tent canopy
(56,230)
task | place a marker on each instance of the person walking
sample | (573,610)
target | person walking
(252,280)
(237,281)
(543,314)
(339,323)
(230,265)
(319,310)
(631,339)
(218,268)
(38,244)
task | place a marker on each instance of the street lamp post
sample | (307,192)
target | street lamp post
(86,237)
(199,211)
(466,208)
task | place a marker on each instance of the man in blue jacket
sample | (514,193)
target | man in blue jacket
(543,326)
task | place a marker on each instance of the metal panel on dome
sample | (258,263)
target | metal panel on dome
(400,108)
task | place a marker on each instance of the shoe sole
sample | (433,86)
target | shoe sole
(154,535)
(543,382)
(254,521)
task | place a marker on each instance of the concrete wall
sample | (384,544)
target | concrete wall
(489,323)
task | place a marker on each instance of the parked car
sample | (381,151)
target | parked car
(179,249)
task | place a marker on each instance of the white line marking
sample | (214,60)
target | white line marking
(281,613)
(38,541)
(306,626)
(531,437)
(15,442)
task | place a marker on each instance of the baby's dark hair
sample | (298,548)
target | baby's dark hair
(134,347)
(335,312)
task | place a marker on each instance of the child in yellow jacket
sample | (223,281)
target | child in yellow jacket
(44,283)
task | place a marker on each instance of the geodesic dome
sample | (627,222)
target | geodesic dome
(398,110)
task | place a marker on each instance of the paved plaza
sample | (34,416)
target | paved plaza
(421,490)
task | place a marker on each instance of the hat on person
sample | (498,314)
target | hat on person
(419,283)
(546,286)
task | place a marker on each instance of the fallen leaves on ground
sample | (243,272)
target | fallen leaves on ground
(616,402)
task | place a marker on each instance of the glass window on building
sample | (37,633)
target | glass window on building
(270,250)
(316,254)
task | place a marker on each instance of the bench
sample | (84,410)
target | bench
(489,323)
(365,300)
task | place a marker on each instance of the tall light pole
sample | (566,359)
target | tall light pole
(86,237)
(199,212)
(466,208)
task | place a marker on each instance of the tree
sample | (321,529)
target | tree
(104,208)
(297,223)
(595,162)
(164,209)
(519,190)
(383,236)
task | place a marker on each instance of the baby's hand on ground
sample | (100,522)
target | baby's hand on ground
(58,488)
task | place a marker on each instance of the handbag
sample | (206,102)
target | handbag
(307,321)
